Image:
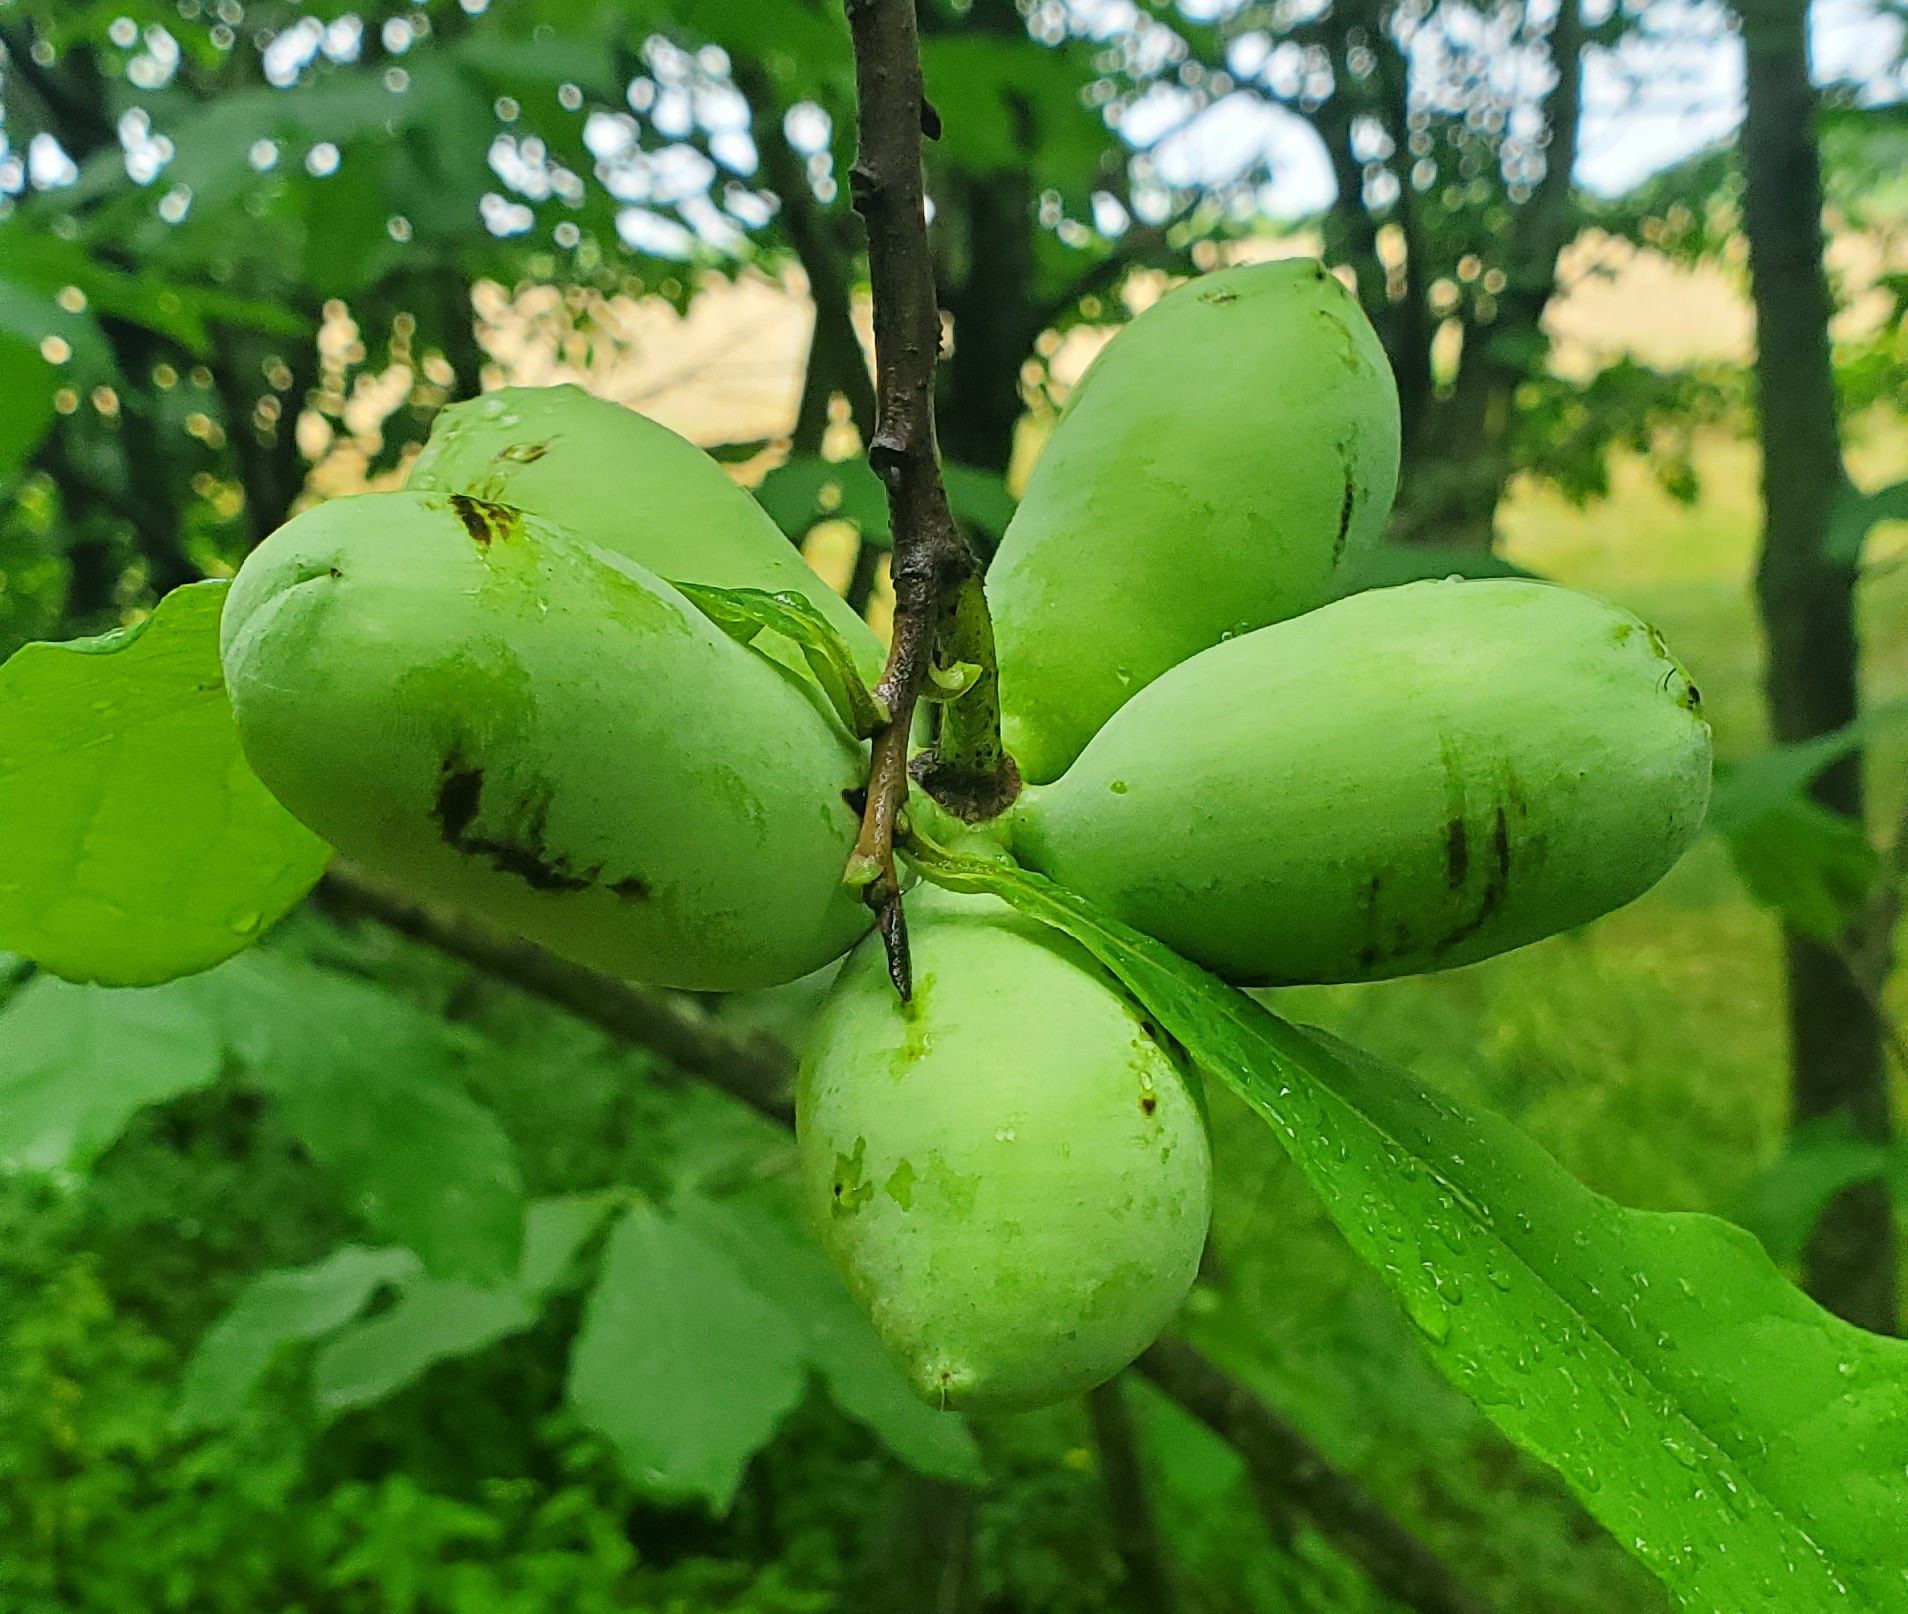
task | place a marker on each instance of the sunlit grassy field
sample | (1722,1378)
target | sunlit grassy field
(1645,1051)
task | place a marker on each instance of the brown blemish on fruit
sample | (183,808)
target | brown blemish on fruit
(631,889)
(1368,954)
(1496,885)
(460,798)
(1344,517)
(1148,1103)
(484,521)
(1457,853)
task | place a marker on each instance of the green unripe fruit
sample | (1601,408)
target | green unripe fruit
(1222,462)
(1409,779)
(625,482)
(1010,1172)
(486,709)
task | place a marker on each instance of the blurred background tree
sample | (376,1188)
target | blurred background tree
(248,250)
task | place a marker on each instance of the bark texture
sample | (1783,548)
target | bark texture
(1807,602)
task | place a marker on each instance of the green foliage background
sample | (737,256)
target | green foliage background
(344,1279)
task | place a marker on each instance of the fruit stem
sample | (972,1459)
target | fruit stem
(940,613)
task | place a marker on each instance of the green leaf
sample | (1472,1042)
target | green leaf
(1747,1446)
(1008,108)
(760,1231)
(1819,1160)
(806,490)
(369,1084)
(435,1319)
(681,1364)
(77,1062)
(1812,866)
(1783,773)
(1856,513)
(286,1307)
(27,382)
(744,613)
(138,846)
(979,498)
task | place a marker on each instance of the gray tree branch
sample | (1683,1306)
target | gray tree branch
(932,564)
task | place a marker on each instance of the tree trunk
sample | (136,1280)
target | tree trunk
(1807,603)
(995,319)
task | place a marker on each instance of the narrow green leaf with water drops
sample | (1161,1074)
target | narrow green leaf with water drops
(1747,1446)
(744,614)
(135,843)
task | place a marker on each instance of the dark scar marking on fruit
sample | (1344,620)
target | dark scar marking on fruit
(1457,853)
(460,797)
(525,453)
(1496,887)
(1220,297)
(1148,1103)
(1344,517)
(1368,954)
(632,889)
(483,520)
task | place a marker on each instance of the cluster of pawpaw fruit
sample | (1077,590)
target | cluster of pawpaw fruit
(493,688)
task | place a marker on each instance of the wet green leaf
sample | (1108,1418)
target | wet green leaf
(743,613)
(1747,1446)
(135,843)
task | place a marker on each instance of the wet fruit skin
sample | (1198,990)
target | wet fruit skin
(628,483)
(1226,457)
(1409,779)
(487,710)
(1011,1173)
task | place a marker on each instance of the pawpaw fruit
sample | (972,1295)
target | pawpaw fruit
(1223,460)
(630,484)
(1011,1172)
(1409,779)
(486,709)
